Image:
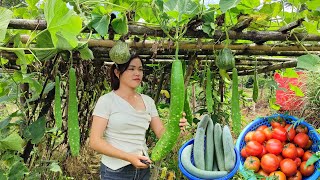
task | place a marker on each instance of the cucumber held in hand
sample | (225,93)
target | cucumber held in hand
(120,53)
(170,136)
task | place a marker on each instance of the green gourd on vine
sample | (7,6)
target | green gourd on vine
(73,123)
(170,136)
(120,53)
(224,62)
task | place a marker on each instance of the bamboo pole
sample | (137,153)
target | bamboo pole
(255,36)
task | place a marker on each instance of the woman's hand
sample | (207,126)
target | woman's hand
(183,122)
(137,161)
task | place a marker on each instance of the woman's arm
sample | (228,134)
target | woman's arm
(99,144)
(157,126)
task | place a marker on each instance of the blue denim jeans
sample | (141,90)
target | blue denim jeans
(128,172)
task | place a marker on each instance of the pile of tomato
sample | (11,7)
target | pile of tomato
(280,150)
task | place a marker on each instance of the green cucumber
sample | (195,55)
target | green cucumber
(170,136)
(186,162)
(187,108)
(209,145)
(198,149)
(57,103)
(228,148)
(73,123)
(235,105)
(219,146)
(209,99)
(255,84)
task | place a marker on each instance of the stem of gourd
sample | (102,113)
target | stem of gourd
(30,40)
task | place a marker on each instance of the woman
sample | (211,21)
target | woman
(120,120)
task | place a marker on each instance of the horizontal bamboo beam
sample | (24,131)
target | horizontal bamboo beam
(205,46)
(189,46)
(255,36)
(283,65)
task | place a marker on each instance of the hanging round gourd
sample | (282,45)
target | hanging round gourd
(120,53)
(224,62)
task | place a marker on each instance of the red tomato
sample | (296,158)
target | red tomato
(280,158)
(279,174)
(297,176)
(290,151)
(297,161)
(259,136)
(288,167)
(262,127)
(306,155)
(264,151)
(306,171)
(252,163)
(301,139)
(268,133)
(290,132)
(309,144)
(253,148)
(276,122)
(269,163)
(301,129)
(248,136)
(274,146)
(244,152)
(300,151)
(279,133)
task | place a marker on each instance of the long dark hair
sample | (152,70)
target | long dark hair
(115,82)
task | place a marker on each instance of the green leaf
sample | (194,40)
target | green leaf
(17,171)
(209,16)
(297,90)
(3,175)
(313,5)
(44,41)
(248,6)
(100,20)
(86,53)
(4,123)
(36,130)
(309,62)
(32,3)
(273,105)
(272,9)
(314,158)
(290,73)
(3,61)
(120,24)
(48,87)
(17,76)
(34,85)
(5,16)
(62,23)
(227,4)
(311,27)
(146,14)
(12,142)
(54,167)
(180,10)
(8,98)
(22,60)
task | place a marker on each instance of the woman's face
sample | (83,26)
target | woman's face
(132,76)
